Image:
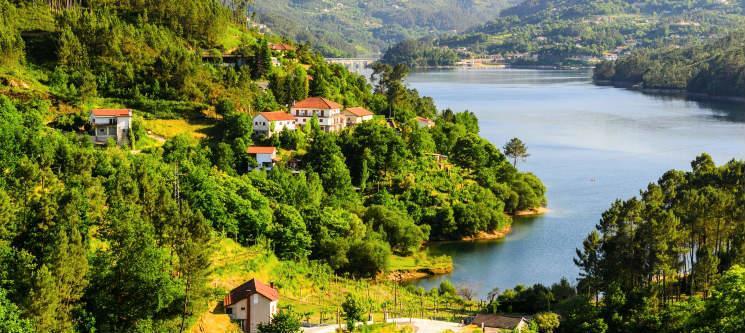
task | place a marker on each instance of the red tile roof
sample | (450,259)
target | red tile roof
(111,112)
(249,288)
(317,103)
(261,150)
(360,112)
(277,116)
(422,119)
(282,47)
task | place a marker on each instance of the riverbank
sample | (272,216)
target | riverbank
(418,266)
(669,92)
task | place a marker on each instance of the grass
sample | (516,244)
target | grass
(234,36)
(169,128)
(316,292)
(420,261)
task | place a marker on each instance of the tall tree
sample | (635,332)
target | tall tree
(516,150)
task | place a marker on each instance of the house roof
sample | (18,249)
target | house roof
(498,321)
(424,120)
(317,103)
(282,47)
(277,116)
(261,150)
(360,112)
(249,288)
(111,112)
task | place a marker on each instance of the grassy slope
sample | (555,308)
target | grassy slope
(310,289)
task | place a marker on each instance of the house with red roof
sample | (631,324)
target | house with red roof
(271,123)
(282,47)
(425,122)
(329,113)
(251,304)
(357,115)
(266,157)
(111,124)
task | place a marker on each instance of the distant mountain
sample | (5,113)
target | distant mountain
(577,32)
(365,27)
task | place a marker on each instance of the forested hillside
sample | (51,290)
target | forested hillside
(578,32)
(364,28)
(670,260)
(108,238)
(714,68)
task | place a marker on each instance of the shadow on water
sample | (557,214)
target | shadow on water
(730,111)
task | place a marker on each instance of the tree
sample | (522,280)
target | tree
(286,321)
(547,321)
(516,150)
(291,239)
(262,59)
(10,317)
(727,304)
(368,257)
(353,311)
(447,288)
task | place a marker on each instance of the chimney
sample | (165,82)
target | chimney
(271,284)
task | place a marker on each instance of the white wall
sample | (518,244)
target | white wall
(263,125)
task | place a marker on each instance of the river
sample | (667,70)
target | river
(589,144)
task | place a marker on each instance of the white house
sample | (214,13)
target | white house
(328,112)
(111,123)
(271,123)
(357,115)
(425,122)
(266,157)
(251,304)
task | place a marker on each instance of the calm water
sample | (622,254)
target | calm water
(590,145)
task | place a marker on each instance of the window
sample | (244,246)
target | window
(229,310)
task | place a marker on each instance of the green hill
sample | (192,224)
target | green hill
(355,27)
(136,236)
(580,32)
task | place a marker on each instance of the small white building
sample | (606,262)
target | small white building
(328,112)
(111,123)
(425,122)
(357,115)
(271,123)
(251,304)
(266,157)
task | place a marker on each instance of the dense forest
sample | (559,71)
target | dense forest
(365,28)
(578,32)
(669,260)
(715,68)
(117,239)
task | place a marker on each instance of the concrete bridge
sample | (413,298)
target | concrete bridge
(353,64)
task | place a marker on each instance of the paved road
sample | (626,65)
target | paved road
(420,326)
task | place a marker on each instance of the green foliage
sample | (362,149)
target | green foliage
(713,68)
(649,250)
(579,32)
(11,44)
(286,321)
(446,288)
(368,257)
(723,312)
(419,53)
(547,321)
(516,150)
(353,311)
(398,229)
(10,317)
(291,239)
